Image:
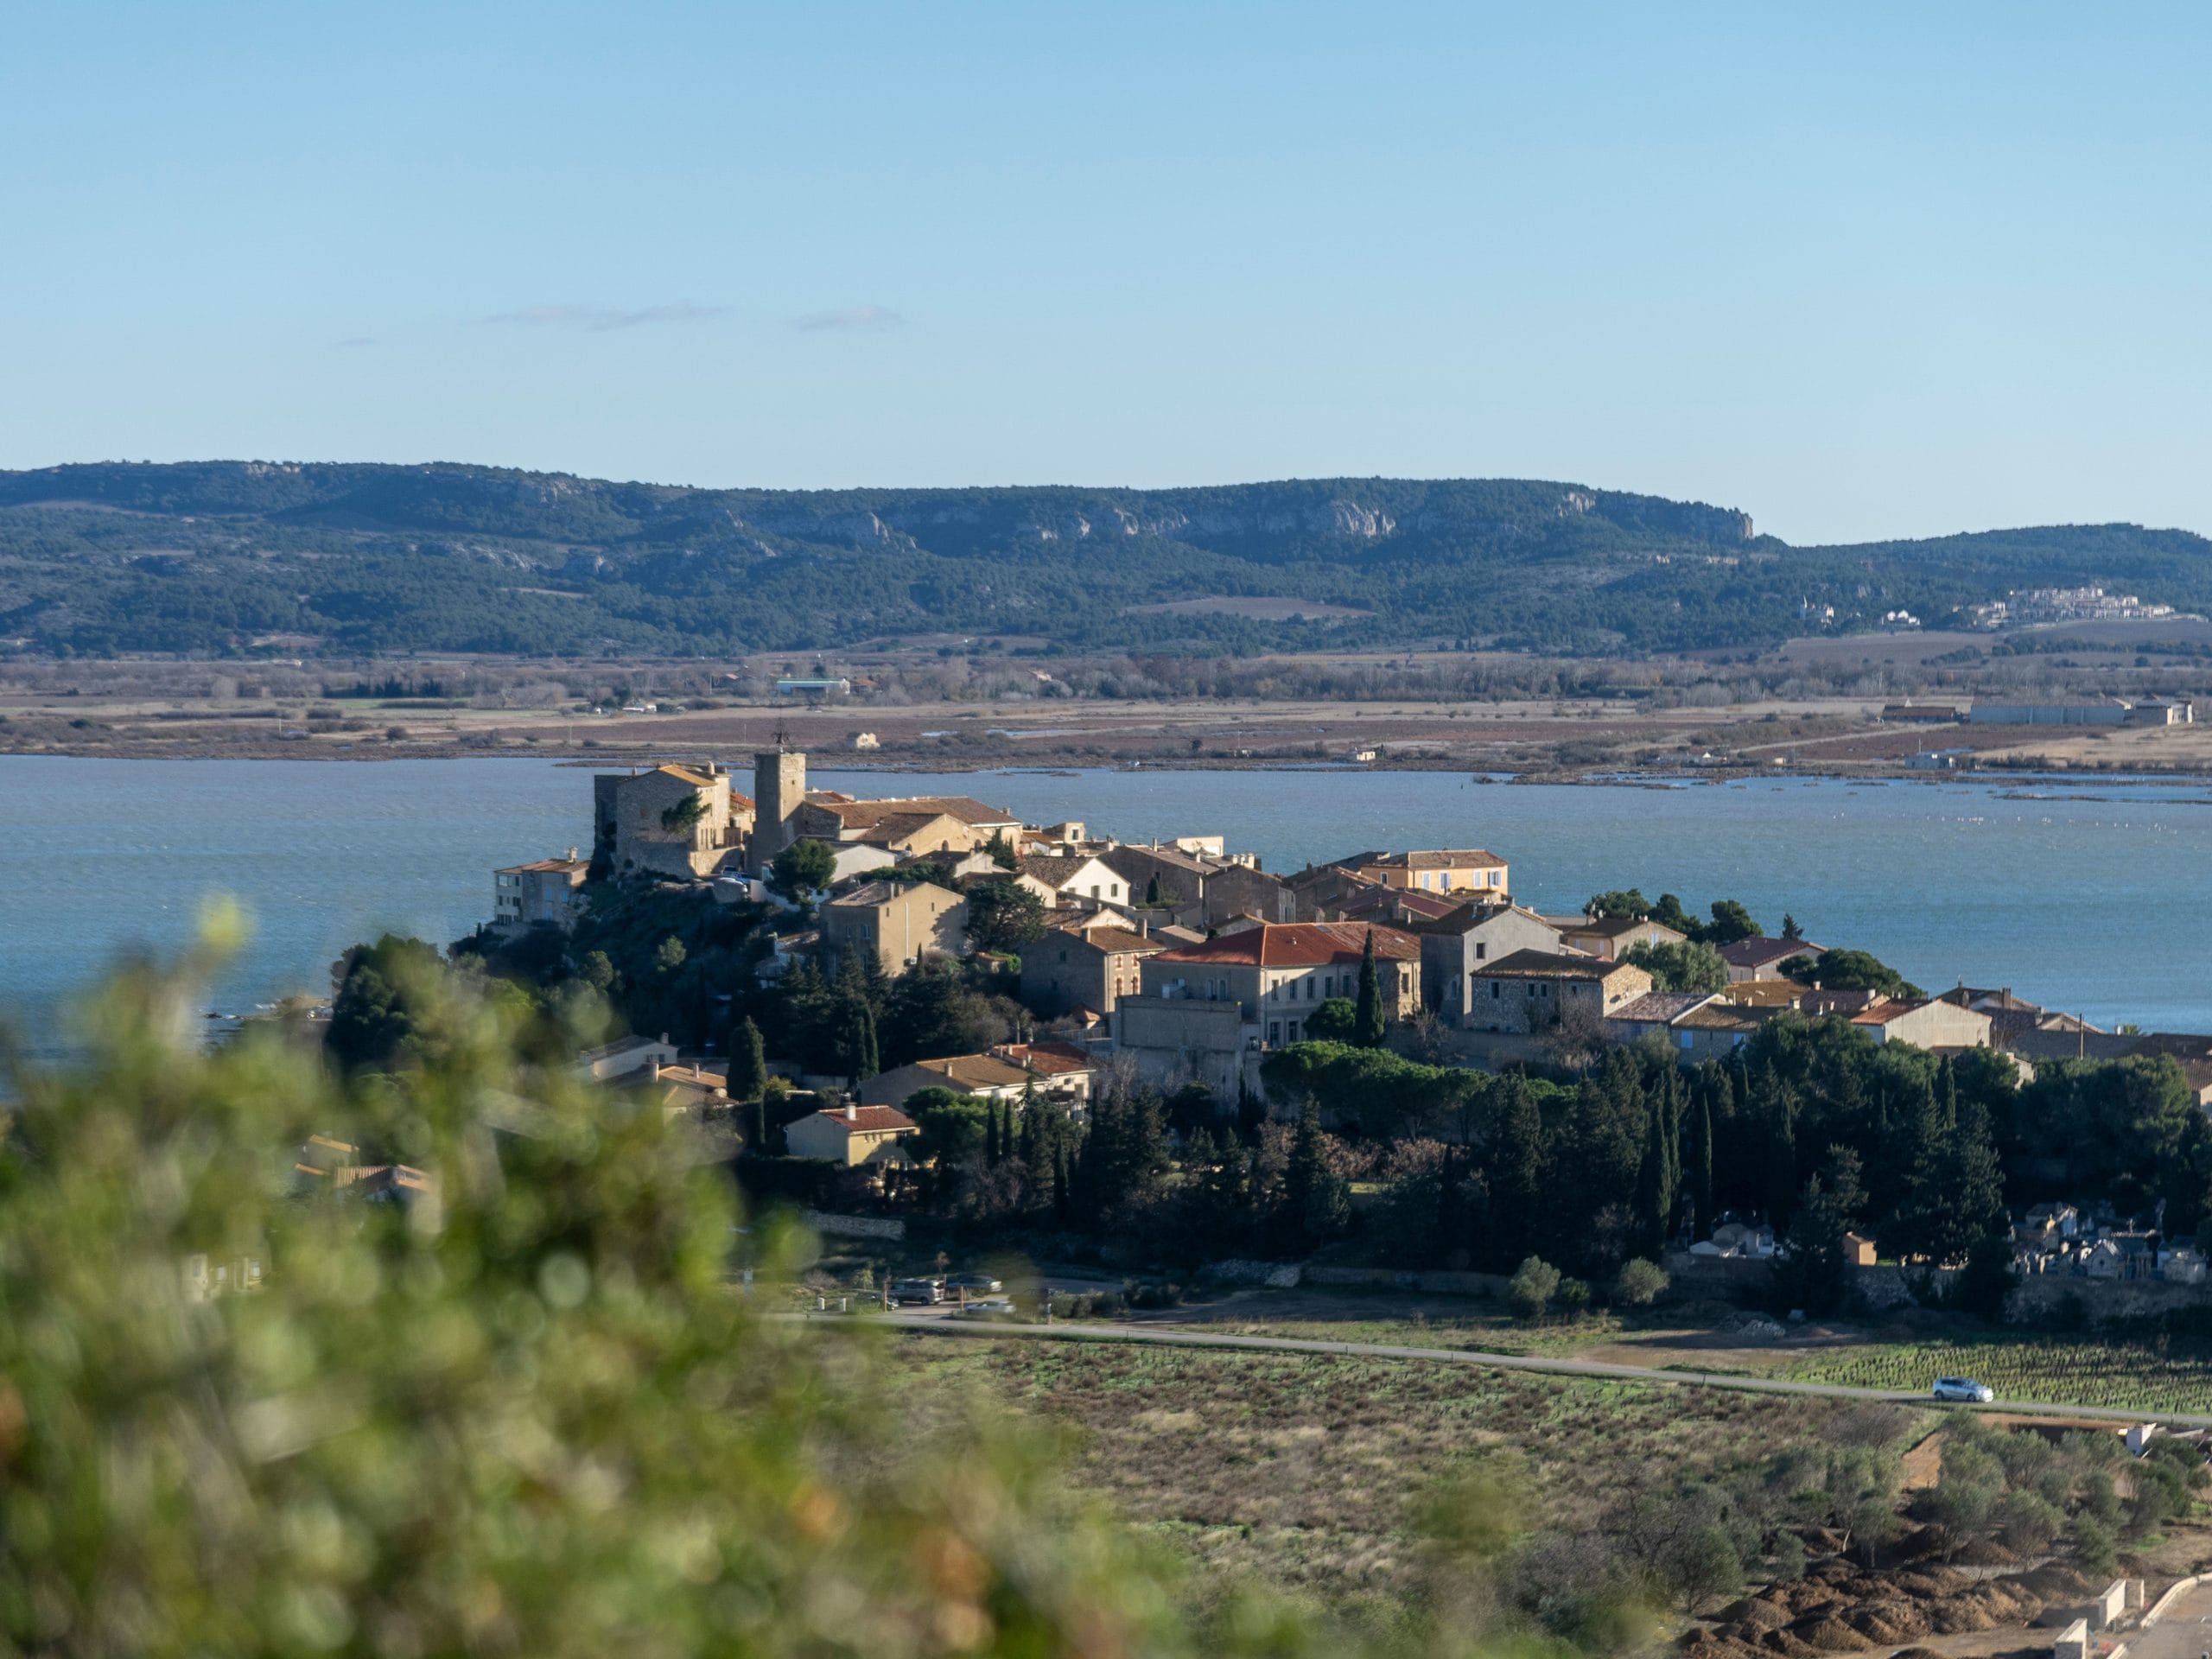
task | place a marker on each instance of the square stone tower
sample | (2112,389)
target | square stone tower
(779,787)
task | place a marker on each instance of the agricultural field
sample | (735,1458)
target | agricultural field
(1311,1473)
(2154,1374)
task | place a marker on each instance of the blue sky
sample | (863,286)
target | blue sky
(1886,270)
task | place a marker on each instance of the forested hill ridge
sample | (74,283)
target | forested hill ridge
(220,557)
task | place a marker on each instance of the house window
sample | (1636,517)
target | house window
(1294,1031)
(1309,987)
(1274,1033)
(1496,991)
(1683,1037)
(1482,950)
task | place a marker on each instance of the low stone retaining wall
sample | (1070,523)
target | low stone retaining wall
(2158,1609)
(884,1227)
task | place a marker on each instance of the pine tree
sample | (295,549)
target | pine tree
(748,1062)
(1921,1156)
(1367,1025)
(1971,1189)
(1316,1206)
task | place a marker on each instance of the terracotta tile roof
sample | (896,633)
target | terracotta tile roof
(869,1120)
(1757,953)
(686,774)
(1717,1015)
(553,865)
(975,1070)
(1119,939)
(1552,964)
(1424,906)
(869,895)
(892,825)
(861,815)
(1473,912)
(1658,1008)
(1466,858)
(1051,869)
(1299,944)
(1615,927)
(1046,1059)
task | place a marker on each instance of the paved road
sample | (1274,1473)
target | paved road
(2183,1633)
(937,1322)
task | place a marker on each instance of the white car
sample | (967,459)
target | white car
(1965,1388)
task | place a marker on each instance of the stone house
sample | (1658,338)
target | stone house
(1925,1022)
(1090,962)
(1463,870)
(1534,990)
(673,820)
(548,891)
(1456,946)
(1613,937)
(1077,880)
(900,924)
(852,1134)
(1174,1040)
(917,835)
(1761,958)
(1278,972)
(827,815)
(983,1076)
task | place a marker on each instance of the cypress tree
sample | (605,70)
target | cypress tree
(991,1133)
(860,1046)
(756,1128)
(1655,1183)
(1516,1172)
(1367,1025)
(1702,1165)
(748,1062)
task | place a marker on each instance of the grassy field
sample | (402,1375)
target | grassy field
(1309,1473)
(2149,1373)
(2152,1374)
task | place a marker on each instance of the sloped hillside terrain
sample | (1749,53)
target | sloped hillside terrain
(221,556)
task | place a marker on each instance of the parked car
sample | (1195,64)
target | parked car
(975,1284)
(926,1291)
(1965,1388)
(988,1307)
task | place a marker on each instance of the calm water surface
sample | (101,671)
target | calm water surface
(2100,906)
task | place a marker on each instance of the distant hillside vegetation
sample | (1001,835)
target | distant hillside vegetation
(215,556)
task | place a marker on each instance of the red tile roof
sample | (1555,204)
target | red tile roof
(1298,944)
(869,1120)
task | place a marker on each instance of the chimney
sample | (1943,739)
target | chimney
(852,1111)
(1144,925)
(656,1065)
(572,854)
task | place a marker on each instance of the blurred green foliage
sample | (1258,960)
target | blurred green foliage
(528,1414)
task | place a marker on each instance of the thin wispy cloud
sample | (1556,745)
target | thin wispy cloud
(849,318)
(601,319)
(352,342)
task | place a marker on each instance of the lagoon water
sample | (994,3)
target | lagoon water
(2086,895)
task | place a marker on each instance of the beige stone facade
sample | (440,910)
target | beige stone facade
(900,925)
